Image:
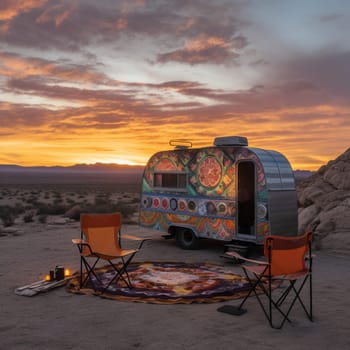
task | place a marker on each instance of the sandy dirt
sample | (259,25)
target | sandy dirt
(60,320)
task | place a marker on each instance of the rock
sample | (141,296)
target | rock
(324,202)
(307,216)
(74,212)
(9,230)
(338,175)
(58,221)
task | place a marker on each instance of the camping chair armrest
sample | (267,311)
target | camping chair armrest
(239,256)
(131,237)
(135,238)
(81,243)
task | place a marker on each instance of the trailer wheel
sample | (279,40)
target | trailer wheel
(186,239)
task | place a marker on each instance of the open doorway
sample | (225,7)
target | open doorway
(246,198)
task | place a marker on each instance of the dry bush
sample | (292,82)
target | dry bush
(8,214)
(56,208)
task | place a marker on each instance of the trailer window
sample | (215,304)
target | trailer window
(170,180)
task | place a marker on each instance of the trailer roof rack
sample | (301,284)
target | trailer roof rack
(231,141)
(180,143)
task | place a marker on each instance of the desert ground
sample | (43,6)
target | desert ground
(31,246)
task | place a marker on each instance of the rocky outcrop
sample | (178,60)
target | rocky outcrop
(324,204)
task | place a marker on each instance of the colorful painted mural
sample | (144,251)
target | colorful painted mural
(206,201)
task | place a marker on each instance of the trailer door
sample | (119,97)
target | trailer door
(246,198)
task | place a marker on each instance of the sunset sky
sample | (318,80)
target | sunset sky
(86,81)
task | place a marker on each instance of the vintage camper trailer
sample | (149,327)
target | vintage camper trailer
(228,192)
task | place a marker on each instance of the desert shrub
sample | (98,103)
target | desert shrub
(57,194)
(42,219)
(32,200)
(102,200)
(8,214)
(126,210)
(7,218)
(28,217)
(70,200)
(51,209)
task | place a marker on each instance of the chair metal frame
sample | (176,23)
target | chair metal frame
(87,248)
(262,274)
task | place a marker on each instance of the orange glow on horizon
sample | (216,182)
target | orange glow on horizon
(113,82)
(134,143)
(47,153)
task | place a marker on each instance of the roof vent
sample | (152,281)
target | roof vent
(231,141)
(180,144)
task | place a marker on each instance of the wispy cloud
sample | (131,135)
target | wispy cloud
(81,79)
(206,50)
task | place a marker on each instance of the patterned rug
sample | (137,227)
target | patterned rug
(168,283)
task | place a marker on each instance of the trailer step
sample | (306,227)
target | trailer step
(254,251)
(241,249)
(168,236)
(231,259)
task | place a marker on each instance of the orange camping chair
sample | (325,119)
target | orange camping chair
(101,240)
(288,259)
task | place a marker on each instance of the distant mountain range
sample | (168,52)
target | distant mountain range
(82,174)
(302,174)
(98,168)
(73,169)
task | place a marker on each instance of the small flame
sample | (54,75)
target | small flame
(47,278)
(67,273)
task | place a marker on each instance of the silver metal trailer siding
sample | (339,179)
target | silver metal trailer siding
(282,197)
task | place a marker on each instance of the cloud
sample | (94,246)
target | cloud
(57,14)
(206,49)
(15,117)
(9,9)
(327,71)
(16,65)
(83,72)
(60,24)
(73,26)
